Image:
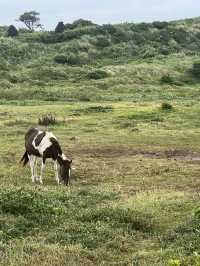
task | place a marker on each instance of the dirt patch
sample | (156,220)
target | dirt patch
(118,151)
(108,152)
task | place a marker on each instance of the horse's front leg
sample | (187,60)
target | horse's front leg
(41,171)
(35,169)
(56,172)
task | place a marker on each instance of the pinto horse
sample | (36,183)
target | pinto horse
(44,145)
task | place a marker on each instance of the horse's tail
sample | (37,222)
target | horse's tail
(24,159)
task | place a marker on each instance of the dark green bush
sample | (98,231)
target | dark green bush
(5,84)
(160,24)
(12,31)
(60,27)
(167,79)
(102,41)
(72,59)
(81,23)
(46,73)
(47,120)
(97,74)
(166,107)
(99,109)
(61,59)
(196,70)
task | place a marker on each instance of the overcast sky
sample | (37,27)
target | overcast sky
(99,11)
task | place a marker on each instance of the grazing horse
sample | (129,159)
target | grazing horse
(45,145)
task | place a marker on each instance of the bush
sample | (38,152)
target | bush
(102,41)
(166,107)
(12,31)
(84,98)
(167,79)
(5,84)
(46,73)
(72,59)
(81,23)
(61,59)
(60,27)
(97,74)
(47,120)
(4,65)
(196,69)
(99,109)
(160,24)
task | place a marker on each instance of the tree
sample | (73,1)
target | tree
(12,31)
(31,20)
(60,27)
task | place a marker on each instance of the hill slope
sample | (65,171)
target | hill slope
(47,58)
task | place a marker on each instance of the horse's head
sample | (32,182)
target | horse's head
(65,169)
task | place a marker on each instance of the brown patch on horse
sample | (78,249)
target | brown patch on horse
(29,137)
(39,138)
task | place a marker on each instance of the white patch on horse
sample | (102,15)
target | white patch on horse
(45,142)
(63,157)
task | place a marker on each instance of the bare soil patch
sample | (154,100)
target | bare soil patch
(120,151)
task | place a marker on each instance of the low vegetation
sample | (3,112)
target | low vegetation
(123,100)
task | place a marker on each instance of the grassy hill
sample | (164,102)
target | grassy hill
(126,104)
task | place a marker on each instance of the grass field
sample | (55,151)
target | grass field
(134,196)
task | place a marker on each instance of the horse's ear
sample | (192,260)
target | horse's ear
(70,161)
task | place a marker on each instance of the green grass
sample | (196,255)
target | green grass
(134,143)
(135,186)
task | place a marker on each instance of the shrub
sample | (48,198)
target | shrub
(60,27)
(72,59)
(84,98)
(148,52)
(61,59)
(5,84)
(99,109)
(47,120)
(167,79)
(196,69)
(160,24)
(97,74)
(120,36)
(46,73)
(4,65)
(102,41)
(81,23)
(12,31)
(166,107)
(108,28)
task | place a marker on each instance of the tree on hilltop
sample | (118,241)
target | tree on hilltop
(31,20)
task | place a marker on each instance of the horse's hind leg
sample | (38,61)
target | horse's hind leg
(56,172)
(32,160)
(41,171)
